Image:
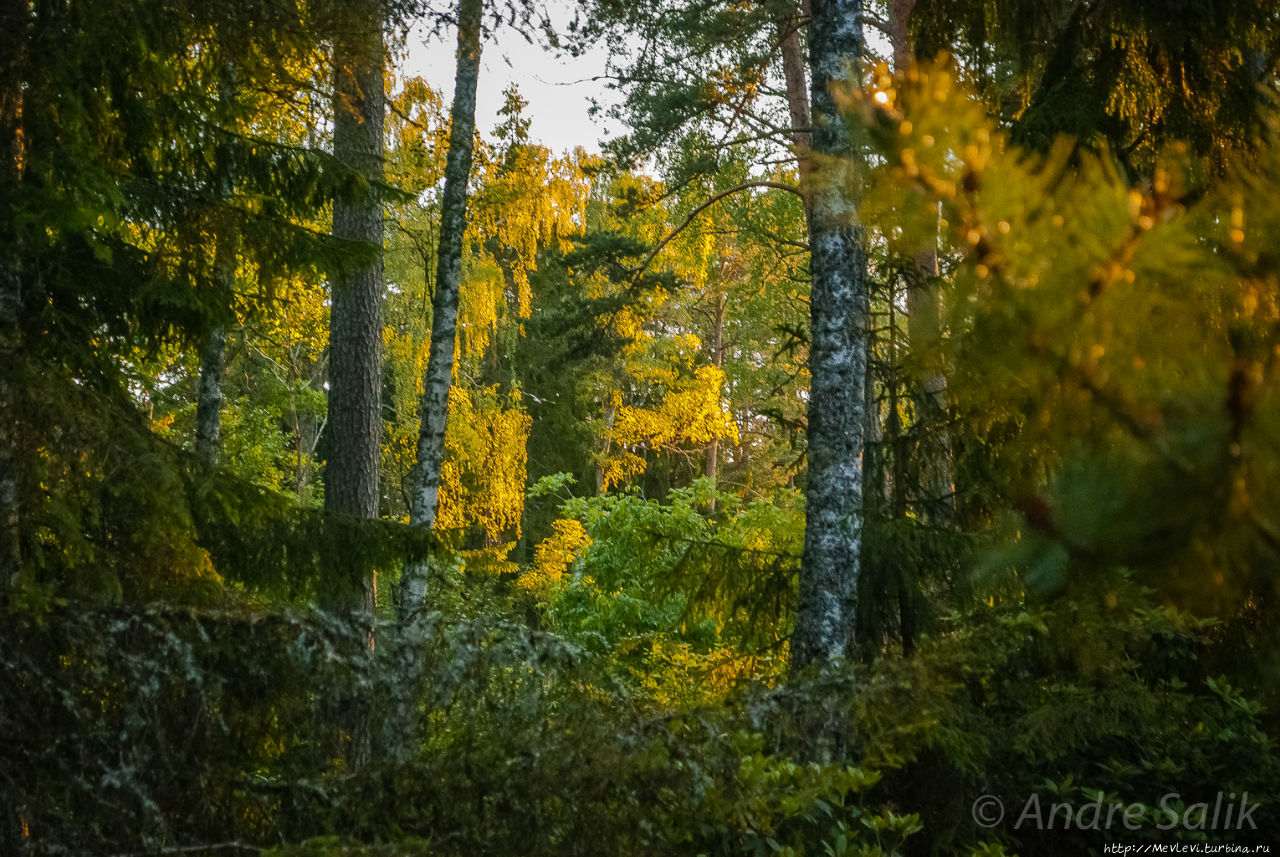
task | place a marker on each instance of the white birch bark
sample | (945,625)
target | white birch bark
(209,399)
(838,351)
(434,407)
(213,358)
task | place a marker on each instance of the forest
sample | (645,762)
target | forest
(873,449)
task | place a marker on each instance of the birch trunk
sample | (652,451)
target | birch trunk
(838,351)
(213,359)
(209,400)
(307,426)
(354,423)
(434,408)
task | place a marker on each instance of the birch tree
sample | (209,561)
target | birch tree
(434,409)
(213,357)
(838,350)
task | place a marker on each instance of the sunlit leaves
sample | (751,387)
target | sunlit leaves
(1094,328)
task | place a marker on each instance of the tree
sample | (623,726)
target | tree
(838,350)
(213,358)
(424,490)
(354,427)
(1132,77)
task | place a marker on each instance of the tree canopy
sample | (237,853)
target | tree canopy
(873,450)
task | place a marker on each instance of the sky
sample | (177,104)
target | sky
(559,89)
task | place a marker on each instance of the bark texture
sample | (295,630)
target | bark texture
(354,423)
(434,406)
(797,100)
(354,420)
(838,352)
(209,401)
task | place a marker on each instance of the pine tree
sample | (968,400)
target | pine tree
(354,427)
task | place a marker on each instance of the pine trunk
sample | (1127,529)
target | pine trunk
(354,425)
(797,99)
(838,352)
(434,407)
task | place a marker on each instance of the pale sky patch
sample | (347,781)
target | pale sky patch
(559,88)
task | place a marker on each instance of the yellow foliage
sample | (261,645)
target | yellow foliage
(679,675)
(522,208)
(483,477)
(554,554)
(691,413)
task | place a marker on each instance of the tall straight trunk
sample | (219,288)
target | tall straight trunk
(930,394)
(797,98)
(13,18)
(425,490)
(897,492)
(307,426)
(213,358)
(717,360)
(924,325)
(209,400)
(837,353)
(354,422)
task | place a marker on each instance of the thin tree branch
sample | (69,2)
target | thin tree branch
(701,208)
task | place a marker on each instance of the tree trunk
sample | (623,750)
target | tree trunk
(797,100)
(425,489)
(354,423)
(717,360)
(13,15)
(897,496)
(307,427)
(213,359)
(837,352)
(209,401)
(923,327)
(930,395)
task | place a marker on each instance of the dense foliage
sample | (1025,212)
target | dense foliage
(1068,591)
